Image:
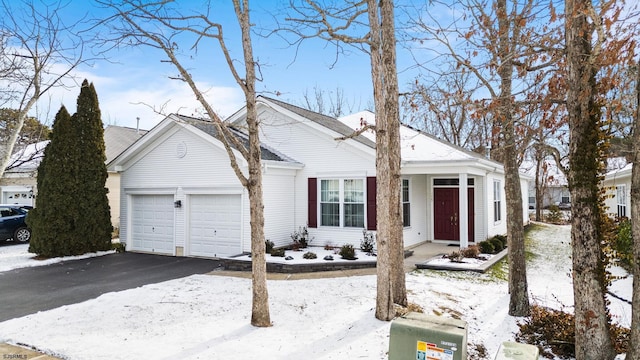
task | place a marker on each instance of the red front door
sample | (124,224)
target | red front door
(447,214)
(446,205)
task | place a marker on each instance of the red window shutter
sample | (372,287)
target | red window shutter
(312,209)
(371,203)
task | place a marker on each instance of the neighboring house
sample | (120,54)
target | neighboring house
(179,195)
(116,140)
(19,185)
(617,184)
(555,189)
(555,184)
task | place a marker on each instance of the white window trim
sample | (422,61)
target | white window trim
(621,196)
(341,202)
(407,202)
(497,200)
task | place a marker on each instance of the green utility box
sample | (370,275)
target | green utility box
(516,351)
(417,336)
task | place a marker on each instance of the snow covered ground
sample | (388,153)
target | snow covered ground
(18,256)
(208,316)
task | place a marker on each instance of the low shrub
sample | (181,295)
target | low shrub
(554,215)
(497,245)
(486,247)
(623,243)
(503,240)
(268,245)
(348,252)
(301,238)
(277,252)
(553,332)
(328,246)
(310,255)
(368,242)
(471,252)
(455,256)
(118,247)
(296,246)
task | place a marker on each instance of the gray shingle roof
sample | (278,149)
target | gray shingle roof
(117,139)
(324,120)
(210,128)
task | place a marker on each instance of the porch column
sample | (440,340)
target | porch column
(463,216)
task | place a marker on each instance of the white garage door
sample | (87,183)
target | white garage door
(152,223)
(214,225)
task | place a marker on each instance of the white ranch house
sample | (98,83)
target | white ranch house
(179,195)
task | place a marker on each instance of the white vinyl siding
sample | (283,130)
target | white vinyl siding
(157,169)
(311,144)
(419,193)
(279,210)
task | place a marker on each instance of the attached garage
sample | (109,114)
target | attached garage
(180,197)
(152,223)
(215,225)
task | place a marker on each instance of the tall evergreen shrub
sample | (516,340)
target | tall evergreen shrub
(94,226)
(72,214)
(51,222)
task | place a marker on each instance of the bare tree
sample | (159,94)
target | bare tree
(390,277)
(374,22)
(331,103)
(444,107)
(159,25)
(634,338)
(37,53)
(497,42)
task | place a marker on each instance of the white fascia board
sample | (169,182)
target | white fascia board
(620,173)
(117,164)
(282,165)
(449,166)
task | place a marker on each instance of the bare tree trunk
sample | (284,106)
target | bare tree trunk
(391,287)
(392,113)
(593,341)
(519,297)
(384,279)
(260,315)
(260,300)
(634,338)
(539,183)
(381,41)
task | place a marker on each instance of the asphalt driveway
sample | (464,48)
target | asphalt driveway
(29,290)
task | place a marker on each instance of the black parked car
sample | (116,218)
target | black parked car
(12,225)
